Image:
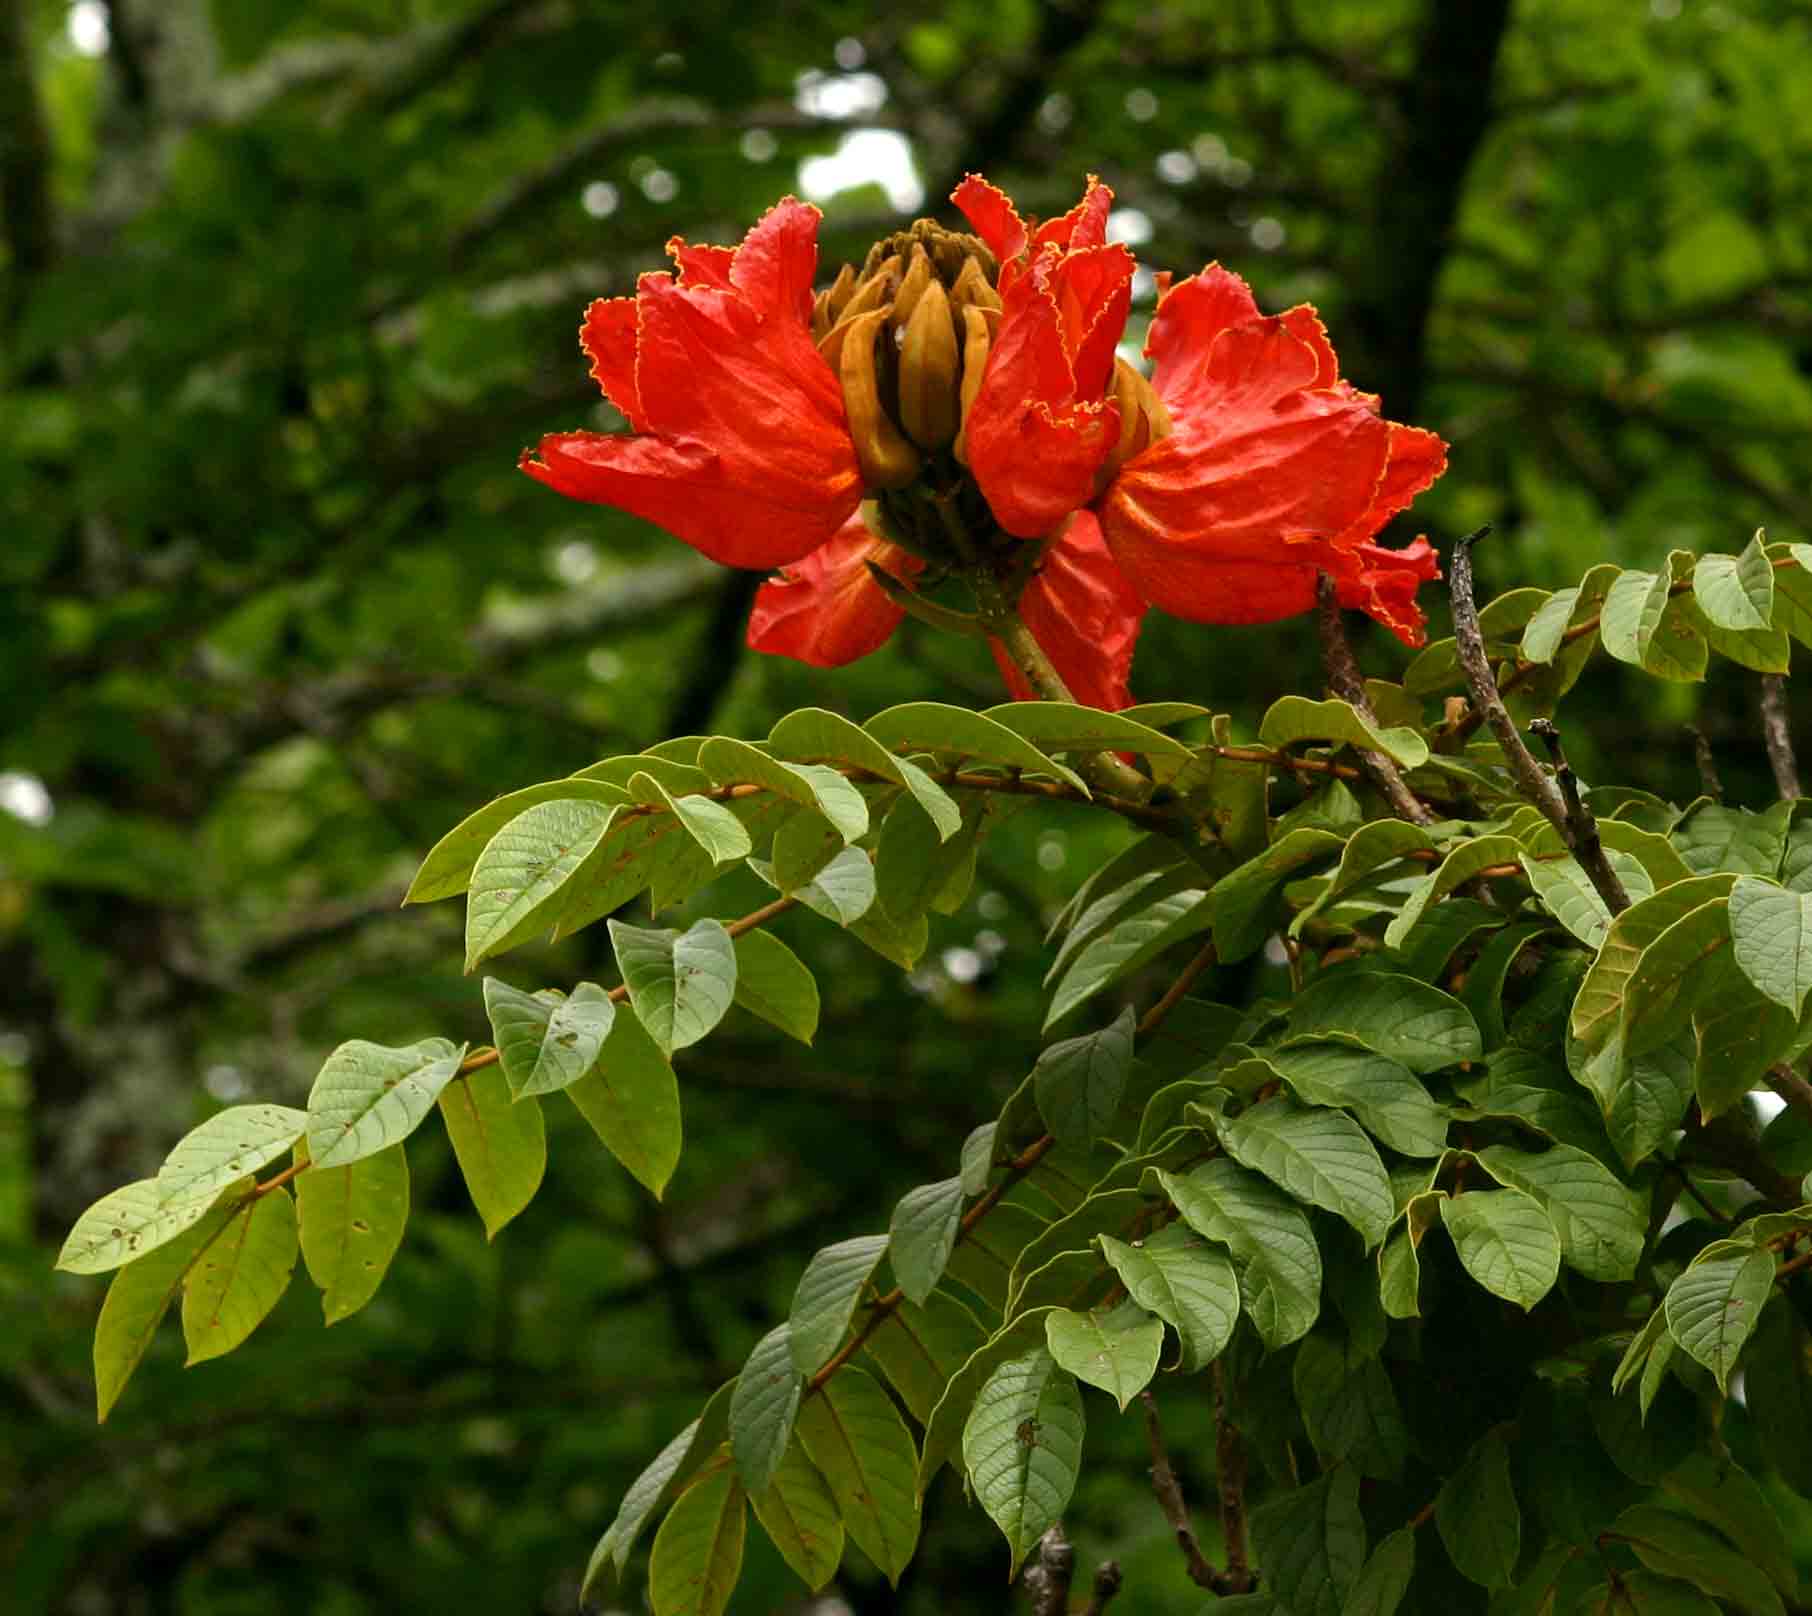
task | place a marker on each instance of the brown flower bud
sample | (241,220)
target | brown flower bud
(876,291)
(886,458)
(930,409)
(829,305)
(971,286)
(1143,420)
(978,334)
(918,276)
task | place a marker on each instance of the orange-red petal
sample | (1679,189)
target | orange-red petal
(1084,614)
(1034,445)
(741,445)
(826,609)
(992,216)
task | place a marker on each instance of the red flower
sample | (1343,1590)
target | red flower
(956,366)
(740,446)
(1275,470)
(828,610)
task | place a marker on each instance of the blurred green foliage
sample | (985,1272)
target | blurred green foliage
(285,287)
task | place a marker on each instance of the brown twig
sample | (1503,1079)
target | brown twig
(1230,1477)
(1048,1578)
(1582,824)
(1346,681)
(1169,1493)
(1469,644)
(1173,995)
(1777,736)
(1707,762)
(1103,1589)
(1792,1088)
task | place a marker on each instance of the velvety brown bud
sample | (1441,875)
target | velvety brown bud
(930,407)
(977,335)
(886,458)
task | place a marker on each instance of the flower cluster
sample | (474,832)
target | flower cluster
(960,399)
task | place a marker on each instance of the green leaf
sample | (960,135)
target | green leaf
(367,1097)
(1713,1306)
(1477,1514)
(763,1407)
(843,890)
(978,1158)
(351,1221)
(1736,592)
(1461,865)
(1061,726)
(680,983)
(1385,1577)
(447,869)
(1771,931)
(1022,1445)
(1719,1492)
(1125,946)
(1506,1242)
(1404,1020)
(811,785)
(958,734)
(813,735)
(1079,1082)
(1677,1546)
(1601,1223)
(546,1043)
(1290,719)
(125,1225)
(1653,1093)
(698,1550)
(239,1275)
(1311,1542)
(1273,1247)
(1187,1282)
(656,1487)
(854,1435)
(774,983)
(922,1234)
(517,883)
(1348,1406)
(1680,971)
(826,1298)
(631,1099)
(1599,1008)
(1315,1155)
(1713,839)
(1387,1097)
(500,1142)
(1778,1386)
(1246,901)
(140,1295)
(799,1514)
(943,1431)
(225,1148)
(912,862)
(920,1349)
(1116,1350)
(718,833)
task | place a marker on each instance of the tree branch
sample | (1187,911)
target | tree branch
(1582,824)
(1469,644)
(1102,1591)
(1169,1493)
(1049,1577)
(1777,736)
(1230,1478)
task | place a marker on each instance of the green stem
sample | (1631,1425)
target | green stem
(1103,770)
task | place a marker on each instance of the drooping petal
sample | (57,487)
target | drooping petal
(741,446)
(1033,445)
(1385,583)
(826,609)
(1197,519)
(1189,317)
(1417,458)
(1084,614)
(608,337)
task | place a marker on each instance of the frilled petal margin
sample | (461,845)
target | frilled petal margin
(1085,616)
(827,609)
(1034,446)
(741,446)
